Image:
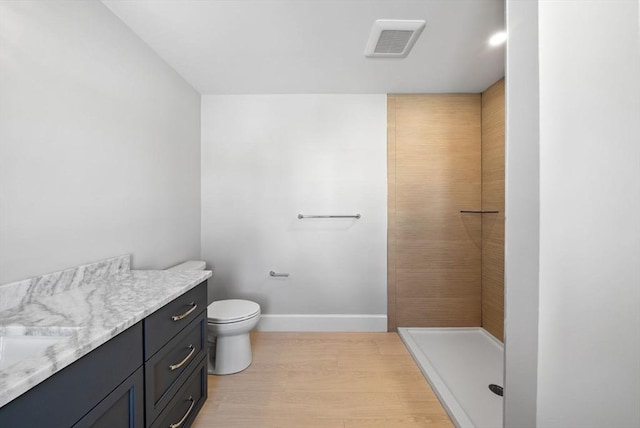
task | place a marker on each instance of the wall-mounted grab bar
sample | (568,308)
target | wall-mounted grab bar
(278,275)
(478,212)
(301,216)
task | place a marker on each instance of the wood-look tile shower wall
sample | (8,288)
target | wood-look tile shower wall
(434,151)
(435,169)
(493,200)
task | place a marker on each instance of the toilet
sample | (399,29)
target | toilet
(228,325)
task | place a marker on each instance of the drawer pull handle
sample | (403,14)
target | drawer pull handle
(181,363)
(186,415)
(186,314)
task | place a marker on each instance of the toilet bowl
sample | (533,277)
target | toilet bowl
(228,325)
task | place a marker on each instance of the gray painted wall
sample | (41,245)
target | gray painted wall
(573,231)
(589,319)
(522,215)
(266,158)
(99,143)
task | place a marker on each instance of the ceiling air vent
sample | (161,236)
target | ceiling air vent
(392,38)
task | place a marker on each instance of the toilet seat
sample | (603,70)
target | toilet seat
(231,310)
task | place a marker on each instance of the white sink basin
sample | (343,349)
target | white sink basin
(19,343)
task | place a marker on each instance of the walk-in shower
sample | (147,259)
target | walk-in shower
(446,245)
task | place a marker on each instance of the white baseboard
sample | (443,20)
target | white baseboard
(318,322)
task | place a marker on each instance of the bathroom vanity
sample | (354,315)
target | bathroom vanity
(131,349)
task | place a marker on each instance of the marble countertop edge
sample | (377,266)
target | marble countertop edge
(100,310)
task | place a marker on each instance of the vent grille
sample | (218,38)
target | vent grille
(393,38)
(392,41)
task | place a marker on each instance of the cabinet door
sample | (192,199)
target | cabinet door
(123,408)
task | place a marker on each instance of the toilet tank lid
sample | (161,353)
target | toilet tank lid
(190,265)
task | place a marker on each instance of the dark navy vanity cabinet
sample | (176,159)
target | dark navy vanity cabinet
(152,374)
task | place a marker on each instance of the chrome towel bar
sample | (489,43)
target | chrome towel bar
(301,216)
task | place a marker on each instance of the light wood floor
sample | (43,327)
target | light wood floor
(324,380)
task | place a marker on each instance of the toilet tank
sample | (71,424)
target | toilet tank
(190,265)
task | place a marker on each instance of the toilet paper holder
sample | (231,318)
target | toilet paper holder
(278,275)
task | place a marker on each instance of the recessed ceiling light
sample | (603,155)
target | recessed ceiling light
(498,38)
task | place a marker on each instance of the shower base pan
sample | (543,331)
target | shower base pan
(460,364)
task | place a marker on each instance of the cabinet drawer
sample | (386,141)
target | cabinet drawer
(187,402)
(166,322)
(168,368)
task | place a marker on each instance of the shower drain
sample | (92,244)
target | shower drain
(496,389)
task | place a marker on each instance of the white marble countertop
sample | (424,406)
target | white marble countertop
(89,312)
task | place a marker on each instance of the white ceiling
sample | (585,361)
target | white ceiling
(317,46)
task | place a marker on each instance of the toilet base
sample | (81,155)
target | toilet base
(229,354)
